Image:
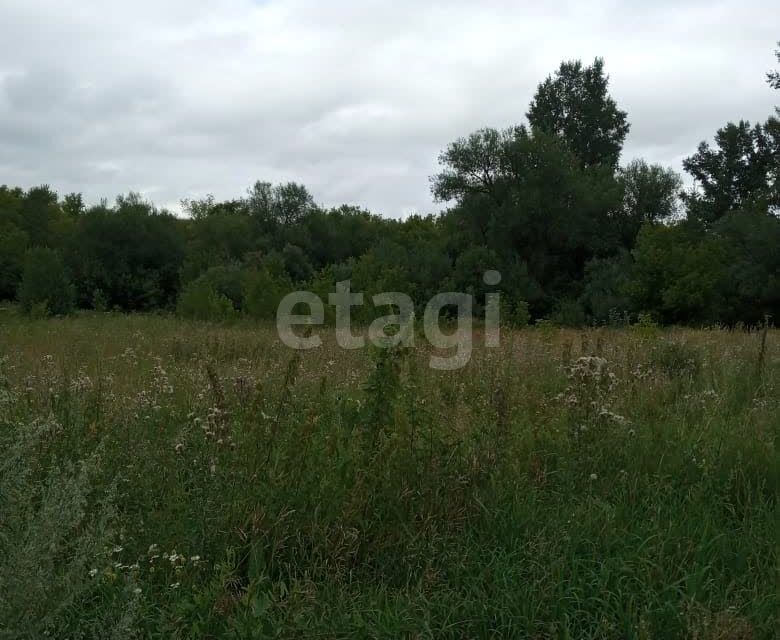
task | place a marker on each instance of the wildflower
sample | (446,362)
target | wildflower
(93,573)
(137,591)
(175,585)
(593,476)
(609,415)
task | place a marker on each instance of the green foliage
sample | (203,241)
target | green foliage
(650,195)
(515,313)
(56,532)
(73,205)
(296,263)
(605,293)
(38,215)
(200,301)
(680,273)
(131,252)
(575,105)
(282,204)
(753,268)
(13,245)
(263,292)
(505,204)
(740,173)
(677,359)
(45,283)
(576,236)
(468,272)
(228,281)
(246,492)
(568,313)
(99,301)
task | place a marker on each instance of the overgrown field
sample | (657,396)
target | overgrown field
(167,479)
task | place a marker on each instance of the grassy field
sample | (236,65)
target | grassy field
(167,479)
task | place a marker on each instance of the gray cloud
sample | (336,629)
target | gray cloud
(355,99)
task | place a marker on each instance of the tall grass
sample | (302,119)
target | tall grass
(171,479)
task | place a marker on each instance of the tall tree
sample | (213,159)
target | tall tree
(526,196)
(575,104)
(740,172)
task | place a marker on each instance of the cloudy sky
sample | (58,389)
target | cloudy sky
(354,98)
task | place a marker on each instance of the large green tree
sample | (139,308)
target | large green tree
(575,104)
(130,254)
(739,172)
(527,197)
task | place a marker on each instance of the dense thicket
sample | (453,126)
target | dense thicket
(577,236)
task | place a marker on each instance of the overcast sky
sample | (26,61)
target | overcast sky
(351,97)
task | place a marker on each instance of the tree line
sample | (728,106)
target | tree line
(578,237)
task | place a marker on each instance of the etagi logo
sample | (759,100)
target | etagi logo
(461,339)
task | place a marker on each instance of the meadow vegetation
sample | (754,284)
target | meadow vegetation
(166,478)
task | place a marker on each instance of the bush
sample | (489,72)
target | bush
(45,284)
(56,531)
(200,301)
(99,301)
(645,325)
(604,293)
(568,313)
(263,293)
(228,281)
(515,313)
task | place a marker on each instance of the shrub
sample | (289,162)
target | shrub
(45,283)
(645,325)
(200,301)
(227,281)
(56,531)
(521,316)
(99,300)
(604,291)
(568,313)
(263,294)
(515,313)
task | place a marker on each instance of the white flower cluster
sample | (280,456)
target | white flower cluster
(81,383)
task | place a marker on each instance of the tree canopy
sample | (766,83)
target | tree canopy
(577,234)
